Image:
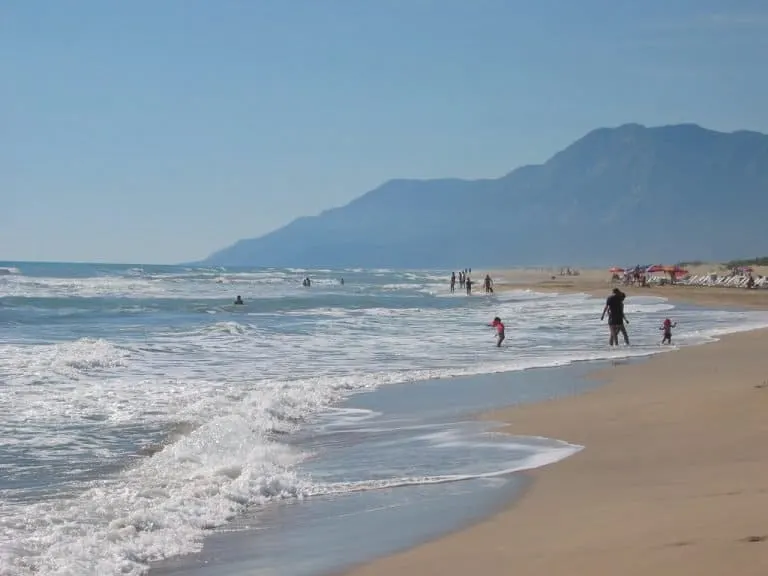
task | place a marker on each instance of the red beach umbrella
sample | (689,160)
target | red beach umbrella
(616,270)
(673,270)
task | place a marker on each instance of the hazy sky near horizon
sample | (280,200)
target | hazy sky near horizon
(158,132)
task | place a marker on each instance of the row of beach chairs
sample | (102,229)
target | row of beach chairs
(728,281)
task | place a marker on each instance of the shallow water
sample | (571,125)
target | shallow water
(427,424)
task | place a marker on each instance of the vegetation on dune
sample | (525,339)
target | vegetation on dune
(689,263)
(760,261)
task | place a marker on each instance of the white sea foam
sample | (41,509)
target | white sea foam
(527,457)
(233,384)
(137,283)
(34,364)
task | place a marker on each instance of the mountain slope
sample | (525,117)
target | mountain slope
(621,194)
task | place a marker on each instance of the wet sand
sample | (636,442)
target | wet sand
(673,479)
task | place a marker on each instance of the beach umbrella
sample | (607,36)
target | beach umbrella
(655,268)
(674,271)
(616,270)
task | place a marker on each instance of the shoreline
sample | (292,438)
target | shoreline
(311,537)
(674,442)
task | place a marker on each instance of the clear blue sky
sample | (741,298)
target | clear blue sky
(160,131)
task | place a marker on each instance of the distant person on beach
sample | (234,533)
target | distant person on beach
(667,327)
(453,282)
(341,281)
(468,283)
(462,278)
(499,325)
(614,307)
(239,301)
(488,283)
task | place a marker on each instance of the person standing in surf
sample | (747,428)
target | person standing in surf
(453,282)
(622,326)
(614,307)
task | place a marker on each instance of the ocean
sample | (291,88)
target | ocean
(143,414)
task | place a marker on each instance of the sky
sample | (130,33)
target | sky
(159,132)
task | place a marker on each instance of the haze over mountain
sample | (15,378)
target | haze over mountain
(618,195)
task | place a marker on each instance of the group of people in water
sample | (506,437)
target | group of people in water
(465,281)
(614,309)
(617,320)
(306,282)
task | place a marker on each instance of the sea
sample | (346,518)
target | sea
(149,425)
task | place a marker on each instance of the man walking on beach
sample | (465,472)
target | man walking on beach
(614,307)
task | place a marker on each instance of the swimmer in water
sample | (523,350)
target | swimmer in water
(239,300)
(499,325)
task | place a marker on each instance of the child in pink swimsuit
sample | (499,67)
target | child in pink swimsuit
(499,325)
(667,327)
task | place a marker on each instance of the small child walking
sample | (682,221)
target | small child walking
(667,327)
(499,325)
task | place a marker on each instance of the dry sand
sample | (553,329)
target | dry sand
(598,282)
(673,479)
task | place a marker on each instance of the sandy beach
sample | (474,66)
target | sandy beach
(598,283)
(673,478)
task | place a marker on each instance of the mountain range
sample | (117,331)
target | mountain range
(616,196)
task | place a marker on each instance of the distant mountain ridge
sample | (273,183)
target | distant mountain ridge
(625,194)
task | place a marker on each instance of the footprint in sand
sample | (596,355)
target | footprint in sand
(755,539)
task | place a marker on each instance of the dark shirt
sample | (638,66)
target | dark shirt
(615,309)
